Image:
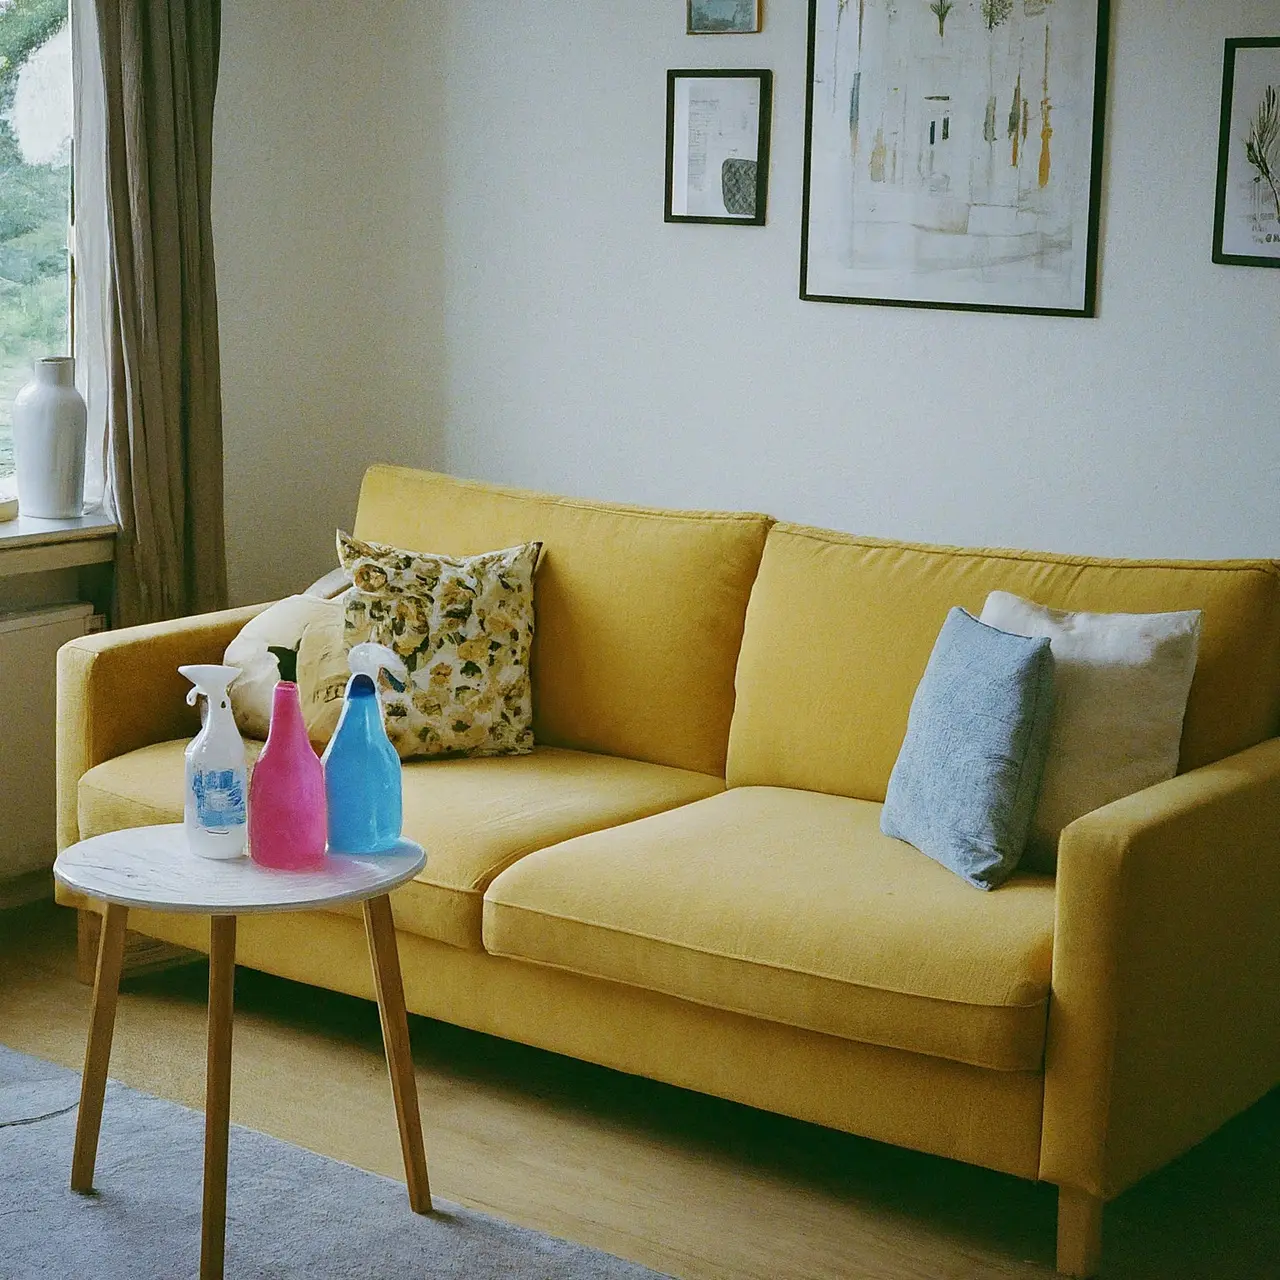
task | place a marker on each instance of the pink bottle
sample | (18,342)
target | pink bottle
(286,791)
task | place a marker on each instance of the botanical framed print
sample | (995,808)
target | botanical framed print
(722,17)
(953,154)
(718,146)
(1246,224)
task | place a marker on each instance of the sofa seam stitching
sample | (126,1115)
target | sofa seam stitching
(765,964)
(585,504)
(745,1013)
(837,537)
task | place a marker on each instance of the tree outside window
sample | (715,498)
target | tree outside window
(35,194)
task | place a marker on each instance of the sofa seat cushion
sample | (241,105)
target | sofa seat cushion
(474,817)
(792,906)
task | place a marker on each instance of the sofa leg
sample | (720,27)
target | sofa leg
(1079,1232)
(141,954)
(88,929)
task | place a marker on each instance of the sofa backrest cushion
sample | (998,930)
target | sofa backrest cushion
(639,612)
(839,630)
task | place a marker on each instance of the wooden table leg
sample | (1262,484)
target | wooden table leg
(217,1094)
(395,1037)
(88,939)
(97,1054)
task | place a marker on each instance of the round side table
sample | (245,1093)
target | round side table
(152,867)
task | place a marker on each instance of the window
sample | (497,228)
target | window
(35,194)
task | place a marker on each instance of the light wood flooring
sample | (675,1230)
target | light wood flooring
(685,1184)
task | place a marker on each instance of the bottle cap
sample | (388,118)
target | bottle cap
(208,678)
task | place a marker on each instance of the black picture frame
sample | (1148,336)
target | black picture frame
(744,180)
(841,102)
(1234,223)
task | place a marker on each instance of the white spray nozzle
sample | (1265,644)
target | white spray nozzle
(209,679)
(368,659)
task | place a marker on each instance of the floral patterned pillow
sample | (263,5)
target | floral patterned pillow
(464,628)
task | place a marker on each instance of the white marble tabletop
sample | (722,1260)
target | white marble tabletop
(152,867)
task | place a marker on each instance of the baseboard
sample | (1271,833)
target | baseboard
(20,891)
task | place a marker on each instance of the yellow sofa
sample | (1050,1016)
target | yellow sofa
(686,880)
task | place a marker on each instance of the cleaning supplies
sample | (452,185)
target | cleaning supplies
(286,795)
(361,767)
(214,810)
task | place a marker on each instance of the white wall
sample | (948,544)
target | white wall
(440,241)
(596,350)
(325,191)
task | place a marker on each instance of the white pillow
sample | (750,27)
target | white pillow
(334,583)
(281,624)
(1121,682)
(322,674)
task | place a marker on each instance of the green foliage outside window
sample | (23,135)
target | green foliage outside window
(34,200)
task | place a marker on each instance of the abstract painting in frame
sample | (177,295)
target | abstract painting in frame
(1246,227)
(953,154)
(722,17)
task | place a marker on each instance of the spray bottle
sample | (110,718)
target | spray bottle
(286,796)
(361,767)
(214,811)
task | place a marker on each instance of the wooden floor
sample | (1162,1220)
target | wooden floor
(688,1185)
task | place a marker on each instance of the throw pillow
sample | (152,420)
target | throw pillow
(322,675)
(1122,686)
(464,627)
(280,625)
(966,780)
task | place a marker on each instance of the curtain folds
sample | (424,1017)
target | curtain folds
(164,406)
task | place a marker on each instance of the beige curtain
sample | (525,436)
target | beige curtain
(164,406)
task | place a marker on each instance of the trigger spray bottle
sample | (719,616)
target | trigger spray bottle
(214,812)
(361,767)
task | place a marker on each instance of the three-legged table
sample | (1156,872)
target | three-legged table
(151,868)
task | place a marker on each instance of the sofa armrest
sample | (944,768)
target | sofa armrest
(1165,1015)
(120,690)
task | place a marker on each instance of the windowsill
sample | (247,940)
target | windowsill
(32,545)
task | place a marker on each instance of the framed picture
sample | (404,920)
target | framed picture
(953,154)
(723,17)
(1246,224)
(718,146)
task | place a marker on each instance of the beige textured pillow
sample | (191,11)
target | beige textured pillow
(1121,682)
(463,627)
(322,675)
(280,624)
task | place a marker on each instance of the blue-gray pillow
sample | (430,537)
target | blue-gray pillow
(966,781)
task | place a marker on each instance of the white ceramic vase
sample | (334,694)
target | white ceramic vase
(49,428)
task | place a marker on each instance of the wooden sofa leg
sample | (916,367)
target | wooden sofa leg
(142,954)
(88,929)
(1079,1233)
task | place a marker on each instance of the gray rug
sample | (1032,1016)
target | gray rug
(289,1212)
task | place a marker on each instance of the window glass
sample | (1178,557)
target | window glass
(35,194)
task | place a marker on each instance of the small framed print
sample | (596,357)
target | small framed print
(1246,224)
(718,146)
(723,17)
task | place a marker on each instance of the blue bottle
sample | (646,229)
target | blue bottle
(361,767)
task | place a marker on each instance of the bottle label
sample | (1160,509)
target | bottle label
(219,796)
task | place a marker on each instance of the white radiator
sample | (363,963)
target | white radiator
(29,643)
